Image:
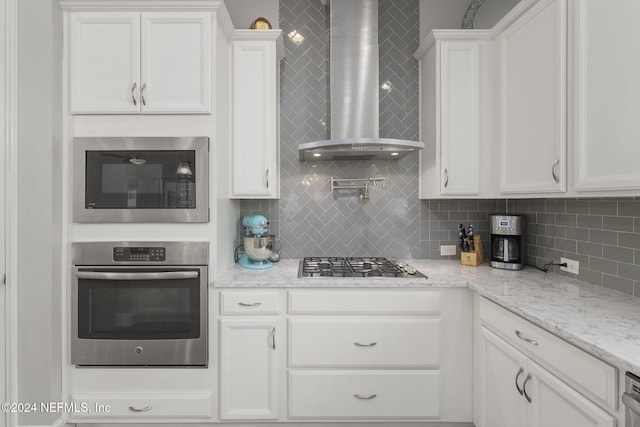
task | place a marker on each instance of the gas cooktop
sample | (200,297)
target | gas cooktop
(356,267)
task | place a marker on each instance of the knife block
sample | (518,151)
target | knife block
(475,257)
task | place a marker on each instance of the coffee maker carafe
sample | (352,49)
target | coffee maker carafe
(506,241)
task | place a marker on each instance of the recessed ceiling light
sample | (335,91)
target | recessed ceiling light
(317,155)
(395,154)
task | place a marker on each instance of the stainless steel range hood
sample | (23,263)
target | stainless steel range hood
(354,90)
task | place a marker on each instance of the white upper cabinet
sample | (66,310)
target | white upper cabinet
(132,62)
(256,129)
(450,77)
(532,98)
(175,71)
(606,102)
(105,62)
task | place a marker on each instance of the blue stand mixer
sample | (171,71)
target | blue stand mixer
(258,244)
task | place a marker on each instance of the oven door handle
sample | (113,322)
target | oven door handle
(632,402)
(158,275)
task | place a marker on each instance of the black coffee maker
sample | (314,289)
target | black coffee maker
(507,241)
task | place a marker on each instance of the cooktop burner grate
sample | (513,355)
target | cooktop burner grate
(355,267)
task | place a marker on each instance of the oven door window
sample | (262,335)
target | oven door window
(140,179)
(138,309)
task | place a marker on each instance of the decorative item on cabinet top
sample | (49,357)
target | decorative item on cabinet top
(261,23)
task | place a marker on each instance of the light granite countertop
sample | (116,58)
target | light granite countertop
(603,322)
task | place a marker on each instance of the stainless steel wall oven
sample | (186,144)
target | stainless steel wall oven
(139,304)
(144,179)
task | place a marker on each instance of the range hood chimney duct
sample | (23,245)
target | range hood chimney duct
(354,90)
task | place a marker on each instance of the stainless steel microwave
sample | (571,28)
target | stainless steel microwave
(141,179)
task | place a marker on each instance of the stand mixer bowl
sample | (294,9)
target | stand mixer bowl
(259,249)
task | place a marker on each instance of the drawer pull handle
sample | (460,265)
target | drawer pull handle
(361,397)
(523,338)
(253,304)
(524,387)
(359,344)
(520,372)
(273,338)
(553,171)
(145,409)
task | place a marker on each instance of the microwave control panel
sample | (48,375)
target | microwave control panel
(139,254)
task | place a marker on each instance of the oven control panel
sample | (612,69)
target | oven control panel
(139,254)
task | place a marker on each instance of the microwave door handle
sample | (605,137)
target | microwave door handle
(162,275)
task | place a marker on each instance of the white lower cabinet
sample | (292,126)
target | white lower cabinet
(249,357)
(397,355)
(364,394)
(142,406)
(515,390)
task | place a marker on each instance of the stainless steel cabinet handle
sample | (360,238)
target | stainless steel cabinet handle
(142,88)
(632,402)
(361,397)
(553,171)
(163,275)
(446,178)
(133,93)
(145,409)
(520,372)
(358,344)
(273,338)
(524,387)
(523,338)
(267,178)
(253,304)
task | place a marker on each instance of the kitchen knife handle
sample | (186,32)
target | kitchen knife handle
(133,93)
(446,177)
(553,171)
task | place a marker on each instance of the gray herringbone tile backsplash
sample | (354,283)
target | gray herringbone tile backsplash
(603,234)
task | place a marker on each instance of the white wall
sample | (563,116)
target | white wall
(491,12)
(448,14)
(244,12)
(441,14)
(38,286)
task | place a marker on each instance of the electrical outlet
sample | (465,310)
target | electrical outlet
(447,250)
(572,267)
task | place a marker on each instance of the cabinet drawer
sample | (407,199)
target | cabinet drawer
(143,405)
(588,374)
(364,341)
(364,394)
(249,302)
(364,302)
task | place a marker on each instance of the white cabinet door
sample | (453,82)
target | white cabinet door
(532,141)
(175,58)
(105,62)
(248,369)
(555,404)
(459,111)
(606,102)
(449,85)
(503,370)
(255,150)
